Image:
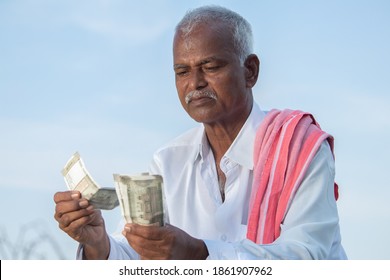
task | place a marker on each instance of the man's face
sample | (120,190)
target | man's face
(210,80)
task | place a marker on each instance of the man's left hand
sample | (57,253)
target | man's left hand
(164,243)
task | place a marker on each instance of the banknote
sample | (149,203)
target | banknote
(140,198)
(78,178)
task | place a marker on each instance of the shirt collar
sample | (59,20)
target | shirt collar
(241,150)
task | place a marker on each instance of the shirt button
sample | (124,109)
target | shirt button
(223,237)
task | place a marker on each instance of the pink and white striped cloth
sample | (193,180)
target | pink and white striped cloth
(285,144)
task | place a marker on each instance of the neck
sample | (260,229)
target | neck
(222,134)
(220,138)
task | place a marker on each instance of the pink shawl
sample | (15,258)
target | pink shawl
(285,144)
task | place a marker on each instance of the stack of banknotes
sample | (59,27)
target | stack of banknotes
(139,196)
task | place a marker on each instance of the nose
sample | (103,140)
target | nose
(197,80)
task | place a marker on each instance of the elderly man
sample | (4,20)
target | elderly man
(223,201)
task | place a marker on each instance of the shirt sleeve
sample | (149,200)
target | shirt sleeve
(119,249)
(310,226)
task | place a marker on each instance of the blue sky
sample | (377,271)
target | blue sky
(96,77)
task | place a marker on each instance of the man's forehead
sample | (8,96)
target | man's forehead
(198,53)
(200,62)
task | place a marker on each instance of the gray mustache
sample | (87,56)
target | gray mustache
(198,94)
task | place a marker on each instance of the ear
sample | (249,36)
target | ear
(252,68)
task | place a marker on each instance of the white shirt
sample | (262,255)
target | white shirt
(193,200)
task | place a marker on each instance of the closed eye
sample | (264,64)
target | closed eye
(180,70)
(181,73)
(211,68)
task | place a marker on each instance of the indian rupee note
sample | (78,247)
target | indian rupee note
(140,198)
(78,178)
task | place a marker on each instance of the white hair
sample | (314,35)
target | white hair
(241,29)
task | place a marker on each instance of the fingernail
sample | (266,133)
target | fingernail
(83,203)
(74,196)
(127,229)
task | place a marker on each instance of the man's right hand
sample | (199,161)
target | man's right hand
(83,223)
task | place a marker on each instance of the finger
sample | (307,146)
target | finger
(76,227)
(67,206)
(66,219)
(66,196)
(148,249)
(67,212)
(146,232)
(149,242)
(154,256)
